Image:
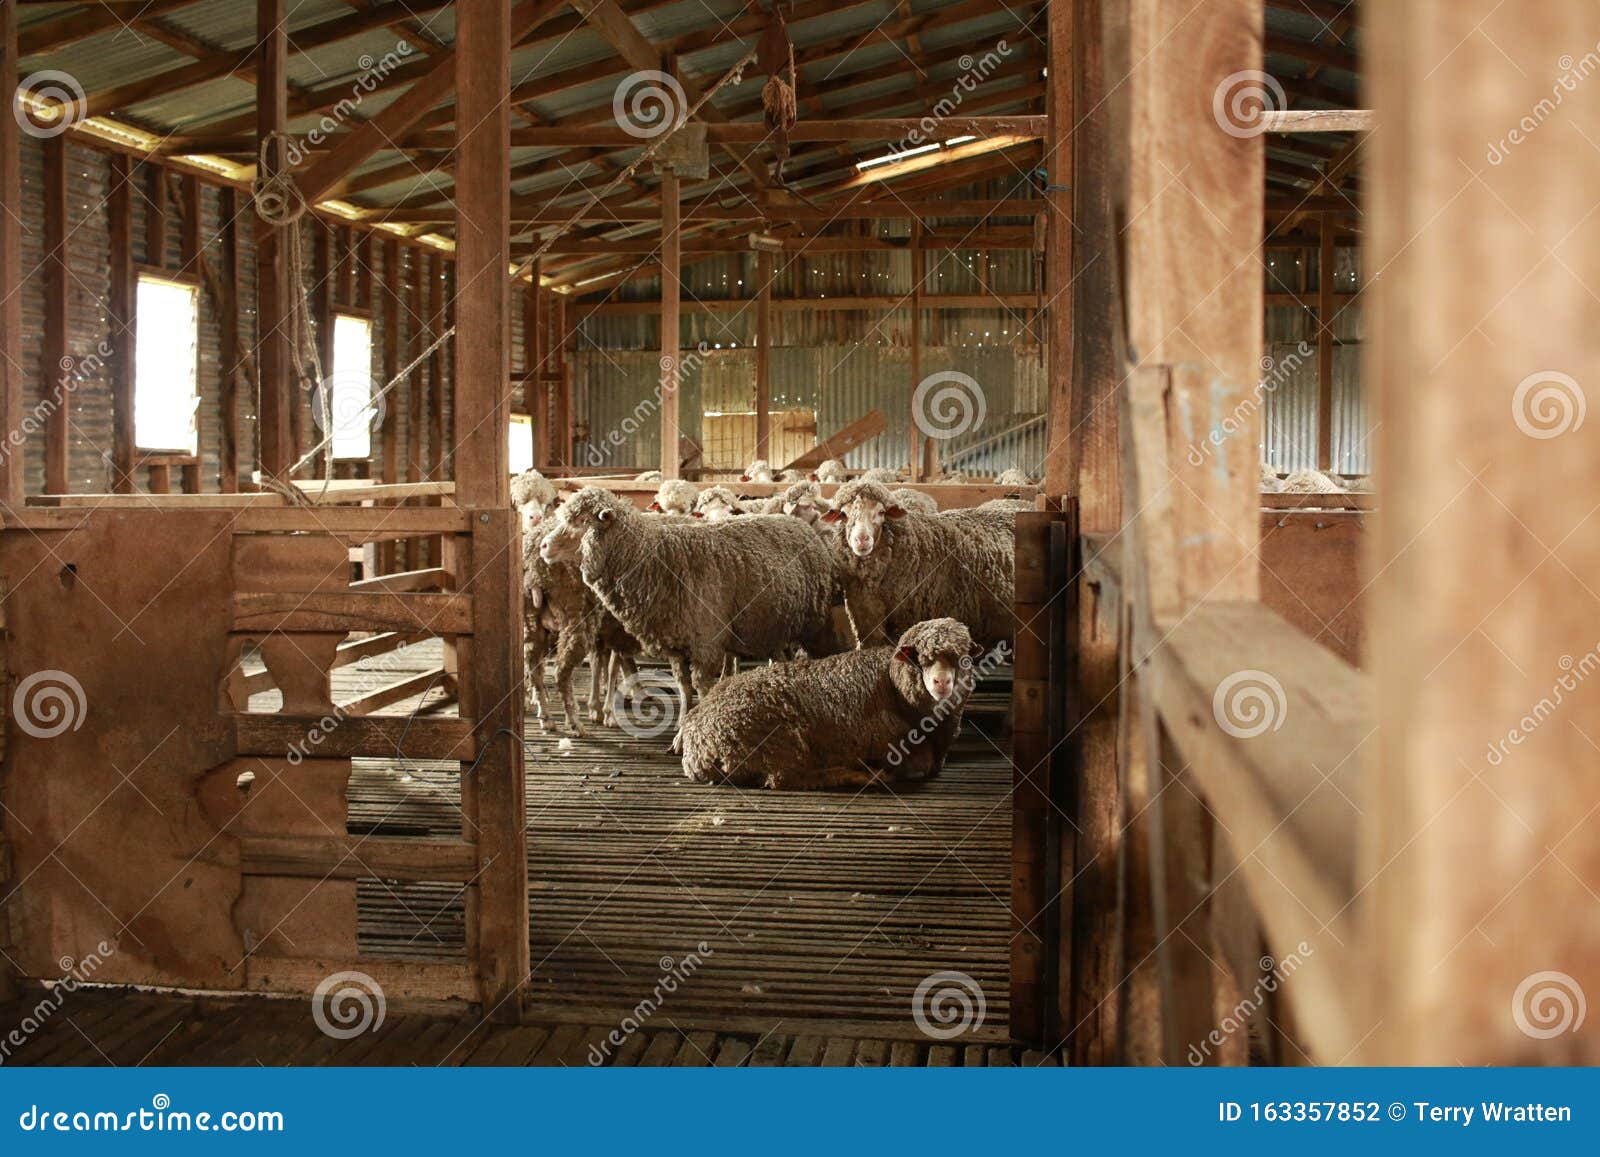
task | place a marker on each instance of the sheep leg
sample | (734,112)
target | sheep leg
(680,672)
(599,660)
(533,682)
(567,659)
(608,716)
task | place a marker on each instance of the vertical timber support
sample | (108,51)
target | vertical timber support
(1326,310)
(764,275)
(231,356)
(119,317)
(482,472)
(275,410)
(388,288)
(1060,468)
(919,273)
(54,362)
(671,372)
(11,469)
(1482,805)
(1194,322)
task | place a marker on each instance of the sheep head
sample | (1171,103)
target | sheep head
(861,507)
(675,496)
(933,661)
(717,504)
(830,471)
(760,471)
(803,500)
(592,509)
(534,496)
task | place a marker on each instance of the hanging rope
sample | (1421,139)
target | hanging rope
(779,100)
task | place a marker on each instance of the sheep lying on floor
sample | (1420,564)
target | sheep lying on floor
(831,471)
(848,720)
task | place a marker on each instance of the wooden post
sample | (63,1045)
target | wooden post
(482,474)
(918,276)
(1325,316)
(671,372)
(322,259)
(1479,843)
(1094,973)
(434,457)
(388,287)
(562,423)
(119,311)
(1060,465)
(274,353)
(54,371)
(764,275)
(416,388)
(230,354)
(534,392)
(155,214)
(12,470)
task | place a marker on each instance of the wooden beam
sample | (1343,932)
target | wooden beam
(1325,319)
(764,276)
(12,469)
(54,360)
(1061,461)
(434,457)
(230,352)
(671,288)
(840,443)
(120,318)
(919,275)
(536,211)
(274,344)
(1012,238)
(491,674)
(1348,120)
(389,289)
(81,23)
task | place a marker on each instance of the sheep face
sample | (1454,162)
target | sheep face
(675,496)
(534,496)
(717,504)
(760,471)
(803,500)
(937,655)
(862,507)
(592,509)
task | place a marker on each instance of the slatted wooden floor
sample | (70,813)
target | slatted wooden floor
(814,909)
(100,1028)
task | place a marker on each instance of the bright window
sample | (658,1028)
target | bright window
(353,411)
(521,443)
(166,393)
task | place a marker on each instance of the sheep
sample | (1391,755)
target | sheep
(648,476)
(952,478)
(1311,482)
(788,476)
(882,474)
(675,496)
(849,720)
(832,471)
(717,504)
(533,495)
(1270,482)
(759,471)
(914,500)
(693,593)
(804,501)
(1011,504)
(1011,476)
(561,614)
(898,568)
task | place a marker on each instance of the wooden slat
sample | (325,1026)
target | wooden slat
(437,614)
(358,857)
(399,979)
(274,353)
(397,692)
(862,430)
(387,736)
(431,578)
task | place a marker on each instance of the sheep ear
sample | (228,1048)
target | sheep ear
(893,512)
(906,655)
(606,515)
(744,478)
(977,650)
(813,476)
(655,506)
(696,514)
(833,516)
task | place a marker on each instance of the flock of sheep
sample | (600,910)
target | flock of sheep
(869,610)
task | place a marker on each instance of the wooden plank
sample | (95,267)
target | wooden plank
(358,857)
(852,304)
(433,459)
(393,736)
(838,444)
(671,290)
(275,446)
(54,363)
(1344,120)
(436,614)
(399,691)
(431,980)
(919,275)
(428,579)
(1061,464)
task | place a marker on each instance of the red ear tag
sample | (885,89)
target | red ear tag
(906,655)
(833,516)
(893,512)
